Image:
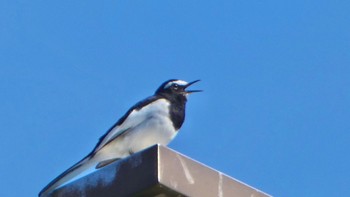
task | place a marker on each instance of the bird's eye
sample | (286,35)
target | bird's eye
(175,86)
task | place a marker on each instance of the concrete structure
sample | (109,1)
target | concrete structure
(157,171)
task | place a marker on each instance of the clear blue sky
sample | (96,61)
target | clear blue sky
(276,74)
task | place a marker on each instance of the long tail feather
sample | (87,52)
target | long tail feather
(69,175)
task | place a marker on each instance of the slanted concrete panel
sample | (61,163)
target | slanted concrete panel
(157,171)
(192,178)
(121,178)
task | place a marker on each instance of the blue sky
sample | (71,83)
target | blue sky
(274,113)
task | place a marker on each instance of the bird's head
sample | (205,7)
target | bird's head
(176,87)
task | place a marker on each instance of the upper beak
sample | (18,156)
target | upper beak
(192,91)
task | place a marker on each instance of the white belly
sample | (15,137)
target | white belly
(156,129)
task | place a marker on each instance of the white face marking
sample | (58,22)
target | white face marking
(179,82)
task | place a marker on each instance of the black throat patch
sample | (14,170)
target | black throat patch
(177,109)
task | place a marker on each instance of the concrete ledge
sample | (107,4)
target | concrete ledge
(156,171)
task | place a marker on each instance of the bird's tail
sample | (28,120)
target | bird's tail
(74,172)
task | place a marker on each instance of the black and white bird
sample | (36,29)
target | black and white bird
(154,120)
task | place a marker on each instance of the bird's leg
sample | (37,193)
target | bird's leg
(106,162)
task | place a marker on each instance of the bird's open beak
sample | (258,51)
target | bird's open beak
(192,91)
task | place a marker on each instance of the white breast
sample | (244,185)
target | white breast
(148,126)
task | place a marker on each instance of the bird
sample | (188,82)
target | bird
(154,120)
